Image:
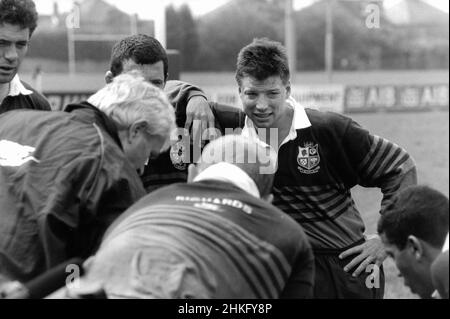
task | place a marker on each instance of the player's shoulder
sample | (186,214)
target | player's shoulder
(326,118)
(37,97)
(329,123)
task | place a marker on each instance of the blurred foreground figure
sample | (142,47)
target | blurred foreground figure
(414,229)
(213,238)
(18,20)
(321,156)
(65,176)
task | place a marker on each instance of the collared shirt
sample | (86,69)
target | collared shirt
(300,120)
(323,156)
(230,173)
(16,87)
(22,96)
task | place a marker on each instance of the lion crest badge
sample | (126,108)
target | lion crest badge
(308,158)
(177,155)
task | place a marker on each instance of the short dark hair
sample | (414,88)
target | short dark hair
(142,49)
(19,12)
(417,210)
(261,59)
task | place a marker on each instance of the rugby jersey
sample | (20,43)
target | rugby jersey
(321,162)
(207,239)
(171,166)
(23,96)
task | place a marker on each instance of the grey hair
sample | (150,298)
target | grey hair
(129,98)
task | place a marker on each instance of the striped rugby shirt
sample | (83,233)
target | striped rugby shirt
(207,239)
(325,155)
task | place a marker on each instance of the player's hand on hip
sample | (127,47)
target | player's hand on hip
(201,118)
(370,252)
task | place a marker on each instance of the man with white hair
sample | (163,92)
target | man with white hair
(216,237)
(65,176)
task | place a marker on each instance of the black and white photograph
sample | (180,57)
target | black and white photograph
(235,150)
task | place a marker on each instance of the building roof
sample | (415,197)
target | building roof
(415,13)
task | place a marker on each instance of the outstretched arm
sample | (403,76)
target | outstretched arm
(191,105)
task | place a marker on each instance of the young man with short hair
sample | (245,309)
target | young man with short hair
(18,20)
(414,228)
(146,54)
(321,156)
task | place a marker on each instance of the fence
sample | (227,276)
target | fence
(336,98)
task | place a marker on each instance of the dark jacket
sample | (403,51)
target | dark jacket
(212,239)
(63,179)
(33,101)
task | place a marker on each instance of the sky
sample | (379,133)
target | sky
(145,8)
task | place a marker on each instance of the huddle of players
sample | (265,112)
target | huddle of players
(255,221)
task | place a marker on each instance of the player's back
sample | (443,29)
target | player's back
(203,240)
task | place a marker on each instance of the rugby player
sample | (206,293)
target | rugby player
(197,120)
(18,20)
(414,229)
(321,156)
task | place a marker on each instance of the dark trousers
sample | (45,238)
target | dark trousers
(332,282)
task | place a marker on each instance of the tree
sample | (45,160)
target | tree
(225,31)
(182,34)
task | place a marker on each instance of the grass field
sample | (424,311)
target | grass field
(426,137)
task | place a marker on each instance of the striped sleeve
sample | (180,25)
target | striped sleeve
(381,163)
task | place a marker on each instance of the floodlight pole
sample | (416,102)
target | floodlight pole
(160,23)
(290,39)
(329,41)
(72,37)
(71,50)
(134,23)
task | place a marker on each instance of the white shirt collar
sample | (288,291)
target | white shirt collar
(16,87)
(300,121)
(229,173)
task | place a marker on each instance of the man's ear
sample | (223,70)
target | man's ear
(268,198)
(288,89)
(135,129)
(192,172)
(415,246)
(109,77)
